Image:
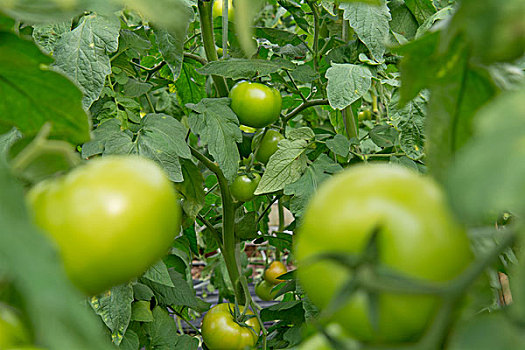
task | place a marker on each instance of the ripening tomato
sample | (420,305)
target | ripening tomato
(416,237)
(111,219)
(263,290)
(273,271)
(220,331)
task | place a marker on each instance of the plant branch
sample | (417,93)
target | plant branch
(197,58)
(303,106)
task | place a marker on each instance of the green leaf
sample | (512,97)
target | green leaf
(140,311)
(403,22)
(114,307)
(46,35)
(82,54)
(162,138)
(442,14)
(287,164)
(218,127)
(493,160)
(383,135)
(291,311)
(277,36)
(191,86)
(371,24)
(162,333)
(307,185)
(246,227)
(347,83)
(171,49)
(450,111)
(6,141)
(180,295)
(33,95)
(192,189)
(487,332)
(159,273)
(340,145)
(421,9)
(297,12)
(236,68)
(30,261)
(130,342)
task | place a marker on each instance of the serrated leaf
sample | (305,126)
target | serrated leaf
(180,295)
(162,333)
(114,307)
(159,273)
(191,86)
(246,227)
(130,342)
(33,95)
(383,135)
(218,127)
(192,188)
(285,166)
(347,83)
(307,185)
(371,24)
(291,311)
(277,36)
(162,138)
(82,54)
(236,68)
(171,49)
(47,35)
(340,145)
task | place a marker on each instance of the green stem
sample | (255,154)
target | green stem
(228,225)
(315,11)
(303,106)
(224,28)
(348,115)
(205,13)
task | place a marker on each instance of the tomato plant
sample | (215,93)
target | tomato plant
(266,145)
(129,196)
(273,271)
(321,88)
(406,219)
(255,104)
(244,186)
(221,331)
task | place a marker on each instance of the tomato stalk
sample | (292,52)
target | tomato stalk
(228,246)
(205,13)
(225,10)
(348,115)
(315,12)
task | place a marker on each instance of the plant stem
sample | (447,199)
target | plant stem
(205,13)
(224,28)
(315,12)
(197,58)
(228,225)
(303,106)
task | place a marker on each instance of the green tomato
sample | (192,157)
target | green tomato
(417,238)
(12,330)
(244,186)
(217,9)
(110,218)
(220,331)
(256,105)
(273,271)
(263,289)
(268,145)
(365,115)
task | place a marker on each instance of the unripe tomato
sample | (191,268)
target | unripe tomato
(12,330)
(274,270)
(365,115)
(263,289)
(244,186)
(217,9)
(220,331)
(110,218)
(256,105)
(417,238)
(268,145)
